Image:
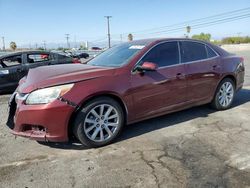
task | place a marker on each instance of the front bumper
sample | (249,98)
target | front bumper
(47,122)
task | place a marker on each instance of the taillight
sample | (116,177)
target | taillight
(75,60)
(241,66)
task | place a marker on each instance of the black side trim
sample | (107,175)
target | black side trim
(68,102)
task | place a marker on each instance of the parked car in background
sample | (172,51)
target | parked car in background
(128,83)
(14,66)
(96,48)
(81,57)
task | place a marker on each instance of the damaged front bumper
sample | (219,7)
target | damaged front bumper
(46,122)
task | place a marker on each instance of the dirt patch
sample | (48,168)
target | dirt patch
(11,170)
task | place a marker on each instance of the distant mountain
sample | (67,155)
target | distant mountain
(52,45)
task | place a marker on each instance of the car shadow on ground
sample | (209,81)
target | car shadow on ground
(137,129)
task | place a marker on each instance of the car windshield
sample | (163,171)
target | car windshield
(116,56)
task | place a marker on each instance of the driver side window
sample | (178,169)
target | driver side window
(165,54)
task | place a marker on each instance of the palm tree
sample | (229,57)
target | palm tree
(130,37)
(13,45)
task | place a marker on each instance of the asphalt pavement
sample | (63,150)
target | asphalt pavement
(198,147)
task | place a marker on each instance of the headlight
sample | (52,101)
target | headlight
(47,95)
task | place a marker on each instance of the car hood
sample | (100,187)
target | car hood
(47,76)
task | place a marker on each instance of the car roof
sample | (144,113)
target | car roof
(219,50)
(155,40)
(21,52)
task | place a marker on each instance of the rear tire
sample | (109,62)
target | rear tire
(224,95)
(99,122)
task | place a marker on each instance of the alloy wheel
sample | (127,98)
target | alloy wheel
(101,122)
(226,94)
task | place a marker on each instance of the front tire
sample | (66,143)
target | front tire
(224,95)
(99,122)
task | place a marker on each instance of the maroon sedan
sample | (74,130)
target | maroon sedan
(128,83)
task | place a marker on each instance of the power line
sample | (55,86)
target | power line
(202,24)
(44,44)
(225,14)
(195,23)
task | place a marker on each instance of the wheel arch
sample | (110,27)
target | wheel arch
(230,76)
(111,95)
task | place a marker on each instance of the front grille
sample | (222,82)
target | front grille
(37,128)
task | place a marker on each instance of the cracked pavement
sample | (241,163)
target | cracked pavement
(198,147)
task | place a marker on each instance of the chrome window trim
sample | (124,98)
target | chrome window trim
(179,48)
(201,60)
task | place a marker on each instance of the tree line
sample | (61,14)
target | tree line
(226,40)
(201,36)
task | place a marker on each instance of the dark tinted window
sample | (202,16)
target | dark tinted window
(164,54)
(192,51)
(210,52)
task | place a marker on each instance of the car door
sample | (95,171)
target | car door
(37,59)
(63,59)
(158,91)
(10,72)
(203,70)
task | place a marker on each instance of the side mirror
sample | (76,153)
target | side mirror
(147,66)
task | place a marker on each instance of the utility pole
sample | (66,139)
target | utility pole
(108,17)
(188,29)
(3,44)
(36,45)
(44,45)
(67,38)
(75,41)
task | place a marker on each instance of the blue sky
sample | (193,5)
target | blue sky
(30,21)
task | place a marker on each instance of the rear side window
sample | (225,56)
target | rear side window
(33,58)
(165,54)
(210,52)
(192,51)
(11,61)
